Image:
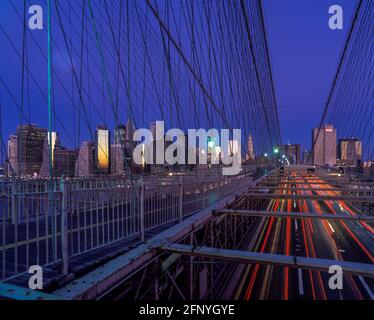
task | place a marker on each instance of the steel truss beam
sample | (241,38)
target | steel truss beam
(361,184)
(298,215)
(13,292)
(311,197)
(283,179)
(316,176)
(248,257)
(313,176)
(315,189)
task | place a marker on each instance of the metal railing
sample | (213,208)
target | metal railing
(43,222)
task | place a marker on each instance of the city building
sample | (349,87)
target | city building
(102,150)
(350,152)
(44,170)
(64,162)
(129,142)
(233,148)
(30,145)
(250,149)
(117,159)
(368,168)
(324,152)
(158,144)
(120,135)
(84,166)
(120,151)
(12,155)
(291,152)
(123,138)
(306,157)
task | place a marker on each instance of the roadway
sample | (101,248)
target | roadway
(333,239)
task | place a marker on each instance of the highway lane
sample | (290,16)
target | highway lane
(339,240)
(343,240)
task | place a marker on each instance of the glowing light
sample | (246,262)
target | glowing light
(103,148)
(52,143)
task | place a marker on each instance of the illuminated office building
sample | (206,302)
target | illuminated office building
(45,170)
(102,150)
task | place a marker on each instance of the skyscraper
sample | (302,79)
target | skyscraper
(55,142)
(64,162)
(291,151)
(350,151)
(30,145)
(130,129)
(233,148)
(368,168)
(12,155)
(129,143)
(120,135)
(102,149)
(250,149)
(305,157)
(84,166)
(44,170)
(117,159)
(324,151)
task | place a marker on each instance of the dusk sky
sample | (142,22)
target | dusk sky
(304,55)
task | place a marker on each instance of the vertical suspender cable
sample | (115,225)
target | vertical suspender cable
(51,211)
